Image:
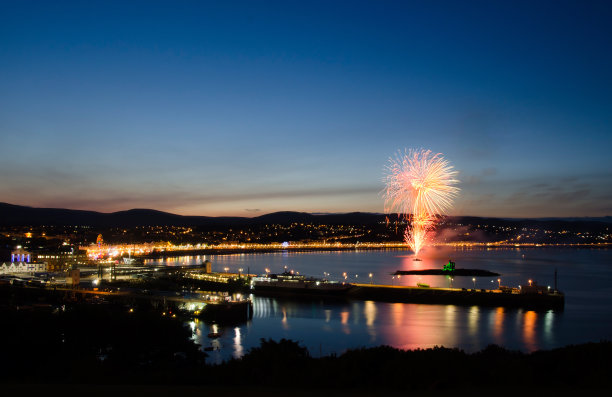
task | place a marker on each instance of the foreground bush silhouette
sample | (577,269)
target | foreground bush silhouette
(90,342)
(108,344)
(287,364)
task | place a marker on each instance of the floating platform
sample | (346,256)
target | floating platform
(440,272)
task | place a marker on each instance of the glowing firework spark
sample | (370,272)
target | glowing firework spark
(420,187)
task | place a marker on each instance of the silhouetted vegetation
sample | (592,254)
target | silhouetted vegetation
(94,343)
(276,364)
(107,343)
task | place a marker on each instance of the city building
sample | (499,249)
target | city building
(21,255)
(22,267)
(61,259)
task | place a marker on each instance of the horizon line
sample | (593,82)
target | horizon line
(302,212)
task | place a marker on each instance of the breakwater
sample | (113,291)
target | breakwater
(455,296)
(441,296)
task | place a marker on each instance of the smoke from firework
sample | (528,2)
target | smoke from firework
(419,186)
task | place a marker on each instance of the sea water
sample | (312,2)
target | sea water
(326,327)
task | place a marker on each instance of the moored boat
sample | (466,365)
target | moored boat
(290,282)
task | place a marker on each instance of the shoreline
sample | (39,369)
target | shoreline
(314,248)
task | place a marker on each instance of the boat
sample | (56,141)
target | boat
(132,261)
(290,282)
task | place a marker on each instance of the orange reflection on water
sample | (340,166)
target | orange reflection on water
(284,321)
(529,334)
(344,320)
(397,313)
(344,316)
(369,311)
(498,325)
(473,319)
(415,326)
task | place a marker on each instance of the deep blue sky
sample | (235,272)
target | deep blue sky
(243,108)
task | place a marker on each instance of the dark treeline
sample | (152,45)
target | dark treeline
(106,344)
(277,363)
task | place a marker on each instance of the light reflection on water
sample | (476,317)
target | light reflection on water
(333,328)
(497,325)
(585,275)
(238,348)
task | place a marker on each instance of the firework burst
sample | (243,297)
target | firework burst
(420,187)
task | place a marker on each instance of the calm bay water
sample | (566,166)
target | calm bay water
(584,275)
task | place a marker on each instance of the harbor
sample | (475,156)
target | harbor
(288,284)
(382,309)
(197,291)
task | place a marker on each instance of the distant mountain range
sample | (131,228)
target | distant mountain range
(17,215)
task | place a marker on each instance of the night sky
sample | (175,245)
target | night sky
(245,108)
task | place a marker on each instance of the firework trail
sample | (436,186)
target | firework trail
(420,187)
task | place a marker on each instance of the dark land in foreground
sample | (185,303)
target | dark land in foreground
(72,340)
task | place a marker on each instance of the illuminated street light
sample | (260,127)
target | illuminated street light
(499,282)
(474,281)
(370,275)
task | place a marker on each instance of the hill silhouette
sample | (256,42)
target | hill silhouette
(17,215)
